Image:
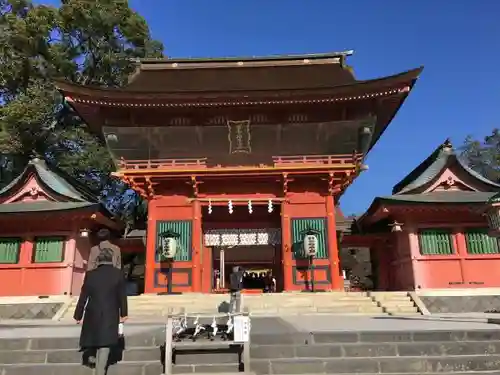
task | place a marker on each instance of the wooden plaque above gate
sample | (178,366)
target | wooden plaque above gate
(242,237)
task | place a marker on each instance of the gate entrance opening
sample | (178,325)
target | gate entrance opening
(250,239)
(261,265)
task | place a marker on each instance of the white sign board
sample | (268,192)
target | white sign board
(241,329)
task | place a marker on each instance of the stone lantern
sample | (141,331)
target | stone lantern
(493,215)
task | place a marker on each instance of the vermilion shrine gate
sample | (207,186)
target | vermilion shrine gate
(239,157)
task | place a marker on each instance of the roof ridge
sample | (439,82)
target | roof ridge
(274,57)
(73,182)
(433,165)
(52,177)
(445,147)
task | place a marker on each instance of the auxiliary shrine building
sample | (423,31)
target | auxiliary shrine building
(240,159)
(432,232)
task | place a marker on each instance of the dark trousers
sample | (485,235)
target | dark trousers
(235,301)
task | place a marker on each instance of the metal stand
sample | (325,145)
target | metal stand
(311,266)
(171,345)
(170,277)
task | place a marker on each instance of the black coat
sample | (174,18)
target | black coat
(104,300)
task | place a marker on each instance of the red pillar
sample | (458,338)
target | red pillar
(206,269)
(286,247)
(197,246)
(333,249)
(461,251)
(25,259)
(383,260)
(150,266)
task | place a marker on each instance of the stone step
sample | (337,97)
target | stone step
(396,306)
(268,297)
(264,297)
(392,298)
(255,307)
(257,303)
(418,352)
(400,309)
(153,368)
(426,336)
(397,303)
(402,304)
(156,336)
(387,294)
(270,352)
(210,310)
(253,302)
(380,365)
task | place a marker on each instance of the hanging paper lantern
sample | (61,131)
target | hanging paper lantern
(250,208)
(270,206)
(209,206)
(311,244)
(168,248)
(230,206)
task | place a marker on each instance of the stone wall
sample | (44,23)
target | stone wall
(29,310)
(461,304)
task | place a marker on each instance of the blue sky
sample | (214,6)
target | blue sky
(458,42)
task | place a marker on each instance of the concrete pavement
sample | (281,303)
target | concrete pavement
(270,325)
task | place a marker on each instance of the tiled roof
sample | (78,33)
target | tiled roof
(440,197)
(431,168)
(45,206)
(54,180)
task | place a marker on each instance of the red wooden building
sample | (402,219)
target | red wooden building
(45,219)
(432,232)
(239,157)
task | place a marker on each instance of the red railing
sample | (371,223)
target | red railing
(163,163)
(278,161)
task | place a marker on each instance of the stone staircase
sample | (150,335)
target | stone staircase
(395,303)
(347,303)
(471,352)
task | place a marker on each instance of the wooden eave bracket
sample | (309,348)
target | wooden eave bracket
(379,214)
(150,188)
(286,181)
(195,183)
(135,186)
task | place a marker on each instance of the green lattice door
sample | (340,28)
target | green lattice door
(435,242)
(9,250)
(48,249)
(300,227)
(183,228)
(478,242)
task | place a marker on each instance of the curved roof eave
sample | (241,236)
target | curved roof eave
(51,181)
(69,89)
(428,172)
(454,198)
(473,173)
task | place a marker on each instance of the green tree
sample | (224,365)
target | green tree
(484,156)
(86,42)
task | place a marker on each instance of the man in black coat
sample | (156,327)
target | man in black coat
(102,306)
(235,285)
(104,238)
